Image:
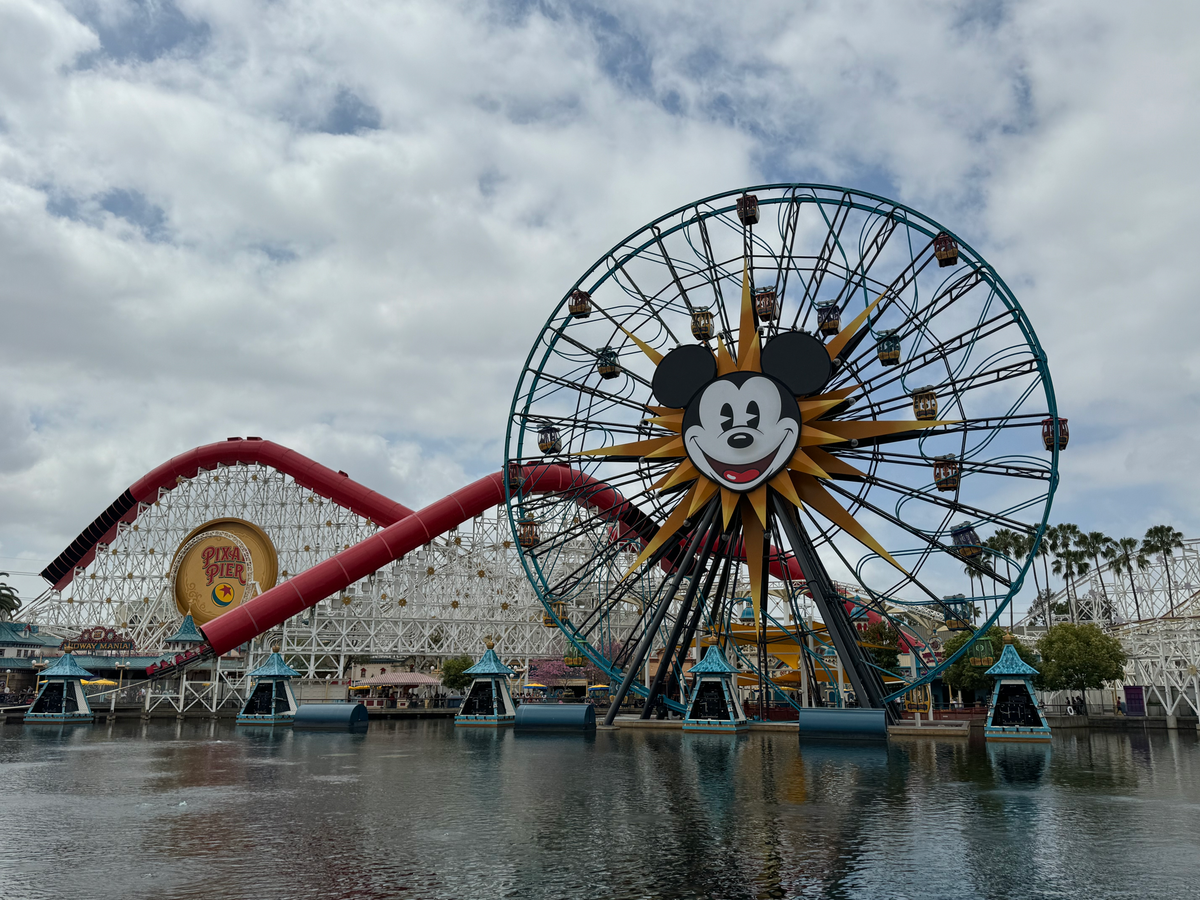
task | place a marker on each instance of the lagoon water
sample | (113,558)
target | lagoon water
(422,810)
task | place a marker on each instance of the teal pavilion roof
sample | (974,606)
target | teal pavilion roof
(489,665)
(188,633)
(1010,664)
(714,663)
(274,667)
(66,667)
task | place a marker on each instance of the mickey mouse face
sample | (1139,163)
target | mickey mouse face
(741,430)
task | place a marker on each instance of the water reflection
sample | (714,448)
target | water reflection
(199,808)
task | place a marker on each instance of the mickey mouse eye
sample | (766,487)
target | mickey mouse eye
(752,412)
(726,417)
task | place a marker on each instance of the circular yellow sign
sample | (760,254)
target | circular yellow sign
(219,565)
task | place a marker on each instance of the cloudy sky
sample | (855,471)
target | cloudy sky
(340,225)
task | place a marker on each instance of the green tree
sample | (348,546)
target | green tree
(9,601)
(882,640)
(1161,540)
(1124,555)
(454,675)
(962,676)
(1078,658)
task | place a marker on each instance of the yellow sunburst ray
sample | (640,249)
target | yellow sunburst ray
(801,461)
(655,356)
(814,495)
(834,347)
(783,483)
(704,492)
(685,471)
(832,464)
(812,437)
(747,336)
(758,502)
(666,531)
(816,407)
(752,544)
(869,428)
(729,502)
(751,360)
(671,423)
(636,448)
(725,363)
(672,449)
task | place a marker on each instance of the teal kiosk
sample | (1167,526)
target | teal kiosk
(272,700)
(61,697)
(489,703)
(714,704)
(1016,714)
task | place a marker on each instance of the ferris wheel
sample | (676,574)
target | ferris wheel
(784,399)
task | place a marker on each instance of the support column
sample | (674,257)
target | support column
(640,654)
(868,686)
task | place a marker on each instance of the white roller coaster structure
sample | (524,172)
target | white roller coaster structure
(1156,614)
(439,601)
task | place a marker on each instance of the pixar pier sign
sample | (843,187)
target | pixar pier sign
(220,565)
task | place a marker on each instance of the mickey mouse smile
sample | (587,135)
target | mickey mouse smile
(741,474)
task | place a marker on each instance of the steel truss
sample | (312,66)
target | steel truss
(442,600)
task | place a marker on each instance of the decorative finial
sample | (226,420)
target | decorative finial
(489,643)
(276,647)
(1008,638)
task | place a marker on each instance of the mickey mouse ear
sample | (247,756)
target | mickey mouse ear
(799,360)
(682,373)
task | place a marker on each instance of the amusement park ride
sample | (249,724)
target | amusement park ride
(799,400)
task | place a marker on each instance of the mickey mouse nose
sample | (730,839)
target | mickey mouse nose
(740,440)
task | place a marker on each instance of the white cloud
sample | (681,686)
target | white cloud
(189,253)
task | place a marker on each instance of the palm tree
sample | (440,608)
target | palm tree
(1162,540)
(1122,556)
(1008,544)
(1094,543)
(1026,546)
(9,601)
(1069,564)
